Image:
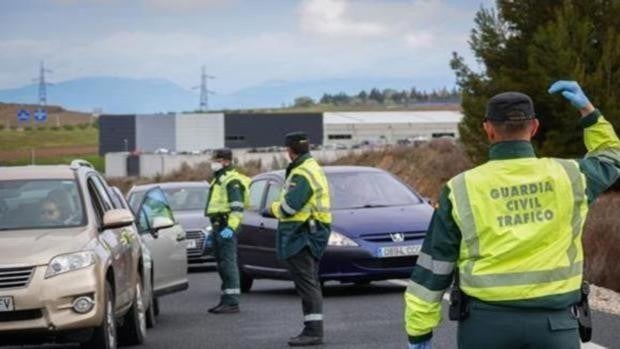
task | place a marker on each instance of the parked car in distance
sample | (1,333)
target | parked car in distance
(71,264)
(378,227)
(187,201)
(166,242)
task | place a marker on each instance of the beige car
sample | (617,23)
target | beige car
(72,267)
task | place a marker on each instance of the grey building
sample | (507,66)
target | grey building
(117,133)
(256,130)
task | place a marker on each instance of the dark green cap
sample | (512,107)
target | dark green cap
(510,106)
(223,153)
(296,138)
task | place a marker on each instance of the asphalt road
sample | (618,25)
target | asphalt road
(356,317)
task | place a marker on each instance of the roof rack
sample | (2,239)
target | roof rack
(77,163)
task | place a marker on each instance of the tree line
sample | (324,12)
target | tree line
(385,97)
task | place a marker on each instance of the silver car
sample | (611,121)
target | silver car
(166,242)
(187,200)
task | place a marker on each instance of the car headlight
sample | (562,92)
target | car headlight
(69,262)
(338,239)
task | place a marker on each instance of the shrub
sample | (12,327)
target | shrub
(68,127)
(1,127)
(83,126)
(55,128)
(27,128)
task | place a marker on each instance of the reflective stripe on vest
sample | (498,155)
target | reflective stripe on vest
(318,206)
(492,271)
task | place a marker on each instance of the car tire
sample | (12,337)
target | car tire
(134,326)
(156,306)
(105,336)
(246,281)
(151,317)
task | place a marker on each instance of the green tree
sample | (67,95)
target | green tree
(304,102)
(525,45)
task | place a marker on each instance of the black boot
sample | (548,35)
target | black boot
(311,335)
(226,309)
(215,307)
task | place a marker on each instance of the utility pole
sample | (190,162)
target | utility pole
(42,84)
(204,90)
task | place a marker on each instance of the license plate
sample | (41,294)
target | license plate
(399,251)
(6,304)
(191,243)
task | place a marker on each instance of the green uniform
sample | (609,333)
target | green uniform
(306,196)
(304,221)
(513,227)
(225,210)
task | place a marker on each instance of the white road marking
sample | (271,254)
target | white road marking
(446,297)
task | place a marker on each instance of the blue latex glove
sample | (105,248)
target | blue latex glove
(422,345)
(572,92)
(227,233)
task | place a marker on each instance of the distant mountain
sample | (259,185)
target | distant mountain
(123,95)
(112,95)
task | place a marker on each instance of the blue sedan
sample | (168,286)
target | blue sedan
(378,227)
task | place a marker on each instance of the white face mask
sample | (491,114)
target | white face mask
(216,166)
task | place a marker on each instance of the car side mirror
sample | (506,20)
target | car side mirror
(117,218)
(160,223)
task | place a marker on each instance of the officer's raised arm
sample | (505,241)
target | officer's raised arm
(601,165)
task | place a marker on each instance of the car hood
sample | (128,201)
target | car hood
(192,220)
(356,222)
(38,247)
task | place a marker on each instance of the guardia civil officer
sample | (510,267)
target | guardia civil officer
(512,227)
(225,204)
(304,225)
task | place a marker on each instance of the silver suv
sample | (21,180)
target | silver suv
(72,267)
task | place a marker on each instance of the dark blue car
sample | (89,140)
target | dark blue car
(378,227)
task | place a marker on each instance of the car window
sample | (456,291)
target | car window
(368,189)
(40,204)
(117,198)
(273,193)
(154,205)
(257,190)
(95,198)
(135,199)
(102,192)
(187,198)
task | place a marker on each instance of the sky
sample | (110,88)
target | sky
(242,43)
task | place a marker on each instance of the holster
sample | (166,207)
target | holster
(584,316)
(459,305)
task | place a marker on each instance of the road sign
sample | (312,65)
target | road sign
(40,115)
(23,115)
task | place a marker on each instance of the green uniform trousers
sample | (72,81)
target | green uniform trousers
(496,327)
(225,251)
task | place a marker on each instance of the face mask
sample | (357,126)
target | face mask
(216,166)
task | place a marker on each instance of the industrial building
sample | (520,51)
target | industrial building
(390,127)
(203,131)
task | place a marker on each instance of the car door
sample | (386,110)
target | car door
(120,250)
(269,225)
(168,246)
(249,238)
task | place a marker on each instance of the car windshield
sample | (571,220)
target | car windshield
(180,199)
(367,190)
(40,204)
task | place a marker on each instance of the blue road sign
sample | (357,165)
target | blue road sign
(23,115)
(40,115)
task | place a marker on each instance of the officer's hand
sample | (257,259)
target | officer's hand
(573,93)
(422,345)
(227,233)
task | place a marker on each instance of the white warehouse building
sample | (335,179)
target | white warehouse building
(389,127)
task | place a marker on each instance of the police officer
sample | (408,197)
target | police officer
(225,210)
(303,212)
(512,228)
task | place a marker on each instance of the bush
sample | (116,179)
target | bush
(27,128)
(602,242)
(41,128)
(55,128)
(1,127)
(83,126)
(68,127)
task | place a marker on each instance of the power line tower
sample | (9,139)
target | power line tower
(42,84)
(204,90)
